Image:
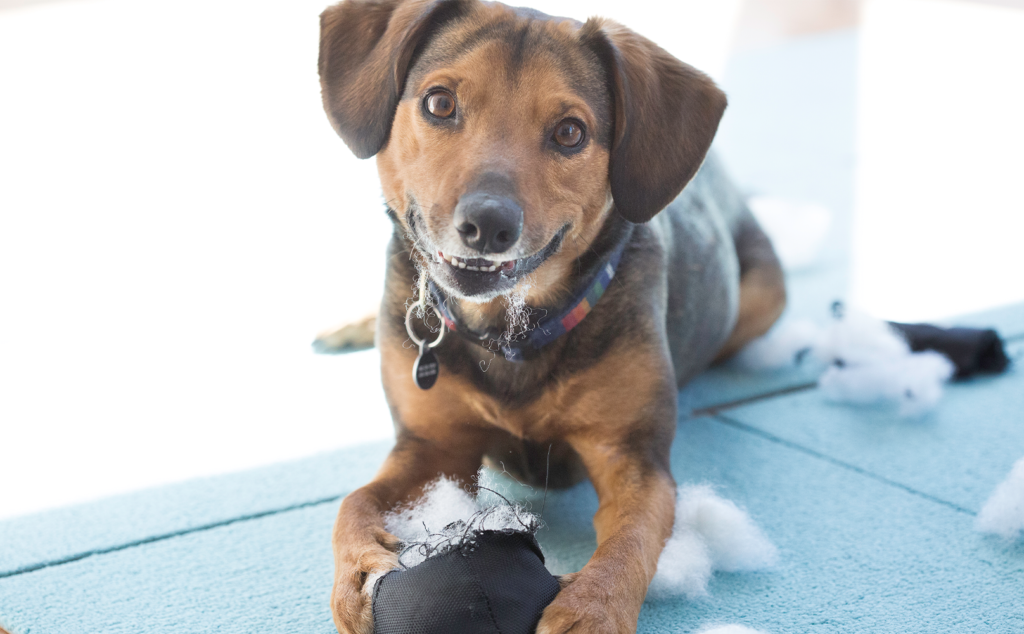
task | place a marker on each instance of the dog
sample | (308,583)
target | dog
(549,278)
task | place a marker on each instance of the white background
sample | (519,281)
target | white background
(939,222)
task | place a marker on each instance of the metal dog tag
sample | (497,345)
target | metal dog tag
(426,368)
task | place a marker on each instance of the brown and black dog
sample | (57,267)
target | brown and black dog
(518,154)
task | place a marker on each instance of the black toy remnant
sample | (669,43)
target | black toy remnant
(972,350)
(471,580)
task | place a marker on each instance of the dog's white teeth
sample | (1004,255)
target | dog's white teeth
(489,266)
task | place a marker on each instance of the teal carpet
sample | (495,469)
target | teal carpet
(872,514)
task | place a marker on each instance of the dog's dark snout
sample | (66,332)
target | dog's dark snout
(488,223)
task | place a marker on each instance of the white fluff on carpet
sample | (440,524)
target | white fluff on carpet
(867,360)
(710,533)
(729,629)
(782,347)
(1003,513)
(858,339)
(913,380)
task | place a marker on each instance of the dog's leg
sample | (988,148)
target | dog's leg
(762,286)
(349,337)
(363,549)
(637,507)
(625,448)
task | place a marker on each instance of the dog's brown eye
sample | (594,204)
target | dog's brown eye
(569,133)
(441,104)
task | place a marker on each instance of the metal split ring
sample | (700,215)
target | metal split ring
(412,333)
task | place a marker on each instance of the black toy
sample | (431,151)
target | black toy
(482,574)
(490,582)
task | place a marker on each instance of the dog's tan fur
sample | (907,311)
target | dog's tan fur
(642,152)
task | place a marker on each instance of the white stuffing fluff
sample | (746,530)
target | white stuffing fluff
(710,533)
(912,380)
(446,501)
(1003,513)
(868,361)
(782,346)
(858,339)
(729,629)
(685,566)
(734,541)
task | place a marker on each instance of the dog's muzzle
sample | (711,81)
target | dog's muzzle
(488,223)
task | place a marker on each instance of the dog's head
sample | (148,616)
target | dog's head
(504,137)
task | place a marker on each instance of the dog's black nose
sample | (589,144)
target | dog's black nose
(487,222)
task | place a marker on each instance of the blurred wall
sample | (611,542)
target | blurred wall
(939,204)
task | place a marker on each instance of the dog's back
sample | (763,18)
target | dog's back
(713,241)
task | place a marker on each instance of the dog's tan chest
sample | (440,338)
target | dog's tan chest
(607,396)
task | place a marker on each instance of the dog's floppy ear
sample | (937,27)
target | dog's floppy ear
(365,50)
(666,114)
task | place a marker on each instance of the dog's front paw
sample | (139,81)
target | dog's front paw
(585,607)
(358,568)
(351,337)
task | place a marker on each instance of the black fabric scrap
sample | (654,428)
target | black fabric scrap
(494,582)
(972,350)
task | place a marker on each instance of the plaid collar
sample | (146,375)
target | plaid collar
(547,329)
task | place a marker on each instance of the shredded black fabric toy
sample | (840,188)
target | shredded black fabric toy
(493,583)
(972,350)
(471,580)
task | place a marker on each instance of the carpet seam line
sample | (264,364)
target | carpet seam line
(712,410)
(839,463)
(164,536)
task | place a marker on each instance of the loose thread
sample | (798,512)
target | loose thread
(461,533)
(547,472)
(422,301)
